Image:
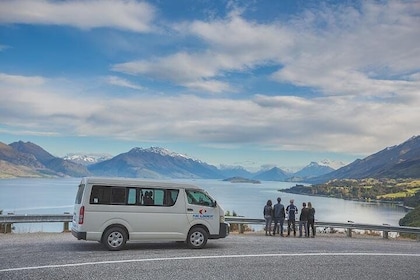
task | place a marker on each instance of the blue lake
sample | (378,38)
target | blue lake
(56,196)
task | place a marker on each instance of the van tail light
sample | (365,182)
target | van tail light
(81,215)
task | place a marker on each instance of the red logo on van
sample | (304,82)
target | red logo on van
(202,211)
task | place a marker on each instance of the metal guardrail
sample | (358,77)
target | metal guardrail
(7,220)
(349,227)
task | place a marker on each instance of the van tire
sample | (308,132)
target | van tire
(197,238)
(114,238)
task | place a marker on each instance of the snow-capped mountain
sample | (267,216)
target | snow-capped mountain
(162,152)
(87,159)
(331,163)
(156,163)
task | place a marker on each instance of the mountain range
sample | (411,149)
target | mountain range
(26,159)
(399,161)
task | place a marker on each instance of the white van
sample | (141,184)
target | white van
(114,210)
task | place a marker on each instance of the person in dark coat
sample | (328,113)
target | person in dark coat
(311,219)
(303,220)
(278,217)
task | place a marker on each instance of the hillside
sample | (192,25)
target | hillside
(25,159)
(400,161)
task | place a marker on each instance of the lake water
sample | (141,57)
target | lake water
(56,196)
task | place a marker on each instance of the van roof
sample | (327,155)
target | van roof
(136,182)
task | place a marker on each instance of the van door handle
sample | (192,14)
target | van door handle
(190,209)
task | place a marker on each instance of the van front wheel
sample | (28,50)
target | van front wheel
(114,239)
(197,238)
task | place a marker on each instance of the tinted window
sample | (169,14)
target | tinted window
(100,195)
(133,196)
(158,197)
(118,195)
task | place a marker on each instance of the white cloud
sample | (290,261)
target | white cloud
(17,80)
(367,51)
(274,122)
(117,81)
(125,15)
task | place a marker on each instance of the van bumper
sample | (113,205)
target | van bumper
(78,234)
(224,230)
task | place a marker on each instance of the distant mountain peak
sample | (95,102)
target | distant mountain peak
(87,158)
(331,163)
(160,151)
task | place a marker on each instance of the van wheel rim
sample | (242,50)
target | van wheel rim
(197,238)
(115,239)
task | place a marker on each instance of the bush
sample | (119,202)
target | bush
(411,219)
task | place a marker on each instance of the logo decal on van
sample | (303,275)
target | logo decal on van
(201,215)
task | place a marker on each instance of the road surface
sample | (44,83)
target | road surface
(255,256)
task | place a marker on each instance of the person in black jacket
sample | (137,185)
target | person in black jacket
(303,220)
(291,211)
(311,219)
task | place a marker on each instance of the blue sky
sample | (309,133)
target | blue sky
(251,83)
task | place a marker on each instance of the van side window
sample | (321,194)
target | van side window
(132,199)
(100,195)
(79,195)
(170,197)
(118,195)
(112,195)
(147,197)
(158,197)
(199,198)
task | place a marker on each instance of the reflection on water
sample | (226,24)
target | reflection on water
(56,196)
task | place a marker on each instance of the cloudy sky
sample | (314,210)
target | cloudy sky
(248,83)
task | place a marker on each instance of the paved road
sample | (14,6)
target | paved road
(60,256)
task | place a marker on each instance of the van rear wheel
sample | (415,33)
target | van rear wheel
(114,239)
(197,238)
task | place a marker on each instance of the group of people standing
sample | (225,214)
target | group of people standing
(277,214)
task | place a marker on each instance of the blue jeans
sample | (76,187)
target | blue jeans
(277,222)
(268,224)
(303,224)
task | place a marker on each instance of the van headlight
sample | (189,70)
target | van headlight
(222,219)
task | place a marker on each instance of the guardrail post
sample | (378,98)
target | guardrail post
(66,224)
(385,234)
(349,232)
(6,227)
(66,227)
(241,228)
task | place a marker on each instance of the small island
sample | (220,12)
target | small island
(241,180)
